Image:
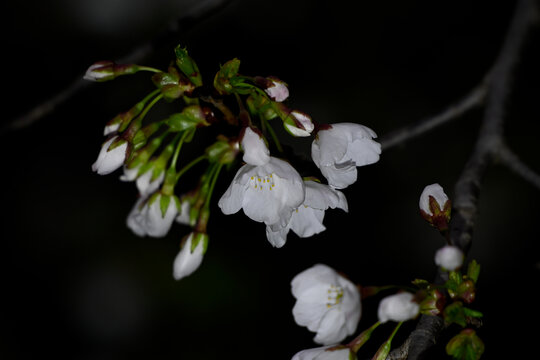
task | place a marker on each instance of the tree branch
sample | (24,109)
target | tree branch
(490,142)
(471,100)
(508,158)
(204,10)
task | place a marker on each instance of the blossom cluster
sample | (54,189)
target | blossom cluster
(266,186)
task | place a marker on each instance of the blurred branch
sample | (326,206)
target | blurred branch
(203,9)
(514,163)
(474,98)
(489,146)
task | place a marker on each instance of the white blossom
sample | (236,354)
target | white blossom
(337,152)
(437,192)
(146,217)
(449,257)
(307,219)
(327,303)
(110,160)
(398,307)
(188,260)
(325,353)
(255,150)
(184,213)
(267,193)
(278,91)
(109,129)
(130,174)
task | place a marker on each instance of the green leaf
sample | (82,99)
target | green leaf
(454,313)
(465,346)
(472,313)
(473,271)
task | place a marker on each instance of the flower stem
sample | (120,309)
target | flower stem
(190,165)
(178,147)
(273,135)
(364,336)
(148,68)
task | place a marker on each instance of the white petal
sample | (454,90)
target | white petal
(277,237)
(332,327)
(146,185)
(295,131)
(109,129)
(186,262)
(135,219)
(255,150)
(321,353)
(321,196)
(341,175)
(313,276)
(183,215)
(306,222)
(130,174)
(364,151)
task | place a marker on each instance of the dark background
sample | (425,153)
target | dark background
(79,285)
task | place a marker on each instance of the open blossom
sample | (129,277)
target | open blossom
(110,160)
(338,150)
(146,217)
(267,193)
(307,219)
(278,90)
(255,150)
(437,192)
(449,257)
(327,303)
(325,353)
(398,307)
(190,258)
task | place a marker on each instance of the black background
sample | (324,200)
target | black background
(77,284)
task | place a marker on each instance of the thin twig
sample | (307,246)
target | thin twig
(508,158)
(204,9)
(471,100)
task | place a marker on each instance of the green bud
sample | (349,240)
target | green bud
(186,64)
(465,346)
(107,70)
(222,151)
(222,80)
(172,84)
(473,271)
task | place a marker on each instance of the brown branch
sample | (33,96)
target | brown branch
(137,55)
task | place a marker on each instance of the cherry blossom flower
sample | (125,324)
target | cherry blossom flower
(338,150)
(307,219)
(437,192)
(190,256)
(278,90)
(110,159)
(326,353)
(147,182)
(267,193)
(327,303)
(449,257)
(398,307)
(255,150)
(147,218)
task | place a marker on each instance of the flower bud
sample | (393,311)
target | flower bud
(223,150)
(222,80)
(449,257)
(435,206)
(108,70)
(186,64)
(172,84)
(111,156)
(276,89)
(398,307)
(191,255)
(121,121)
